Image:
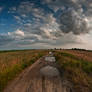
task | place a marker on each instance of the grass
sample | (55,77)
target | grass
(78,71)
(14,62)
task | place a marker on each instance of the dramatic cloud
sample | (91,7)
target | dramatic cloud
(74,13)
(73,17)
(48,23)
(71,21)
(5,39)
(19,38)
(79,5)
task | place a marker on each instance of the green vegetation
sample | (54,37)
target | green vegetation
(76,70)
(13,62)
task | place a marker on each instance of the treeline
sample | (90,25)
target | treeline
(69,49)
(78,49)
(81,49)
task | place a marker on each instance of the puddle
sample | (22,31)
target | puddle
(50,59)
(49,71)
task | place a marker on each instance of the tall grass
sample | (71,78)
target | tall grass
(78,71)
(13,62)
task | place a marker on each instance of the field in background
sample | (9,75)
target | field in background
(13,62)
(85,55)
(76,66)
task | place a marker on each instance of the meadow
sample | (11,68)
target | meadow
(14,62)
(76,66)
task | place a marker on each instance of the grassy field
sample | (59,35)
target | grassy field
(13,62)
(76,66)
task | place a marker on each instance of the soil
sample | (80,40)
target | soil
(33,80)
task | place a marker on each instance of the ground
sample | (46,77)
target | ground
(33,80)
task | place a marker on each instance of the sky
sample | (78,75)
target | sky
(41,24)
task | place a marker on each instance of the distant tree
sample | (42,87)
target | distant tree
(78,49)
(55,48)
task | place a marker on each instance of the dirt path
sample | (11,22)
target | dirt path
(32,80)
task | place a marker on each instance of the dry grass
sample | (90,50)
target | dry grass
(85,55)
(13,62)
(76,69)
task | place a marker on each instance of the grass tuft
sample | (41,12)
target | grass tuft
(78,71)
(14,62)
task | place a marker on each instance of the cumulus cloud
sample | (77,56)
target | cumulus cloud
(25,7)
(74,14)
(78,5)
(5,39)
(73,17)
(18,33)
(71,21)
(61,24)
(19,38)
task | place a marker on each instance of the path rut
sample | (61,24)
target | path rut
(33,80)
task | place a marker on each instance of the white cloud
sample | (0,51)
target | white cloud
(1,8)
(27,24)
(17,34)
(43,28)
(89,19)
(24,15)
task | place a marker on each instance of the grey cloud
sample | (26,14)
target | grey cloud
(29,39)
(71,21)
(16,40)
(48,29)
(56,4)
(73,17)
(85,5)
(1,8)
(61,41)
(27,9)
(5,39)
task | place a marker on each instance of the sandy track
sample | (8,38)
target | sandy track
(31,80)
